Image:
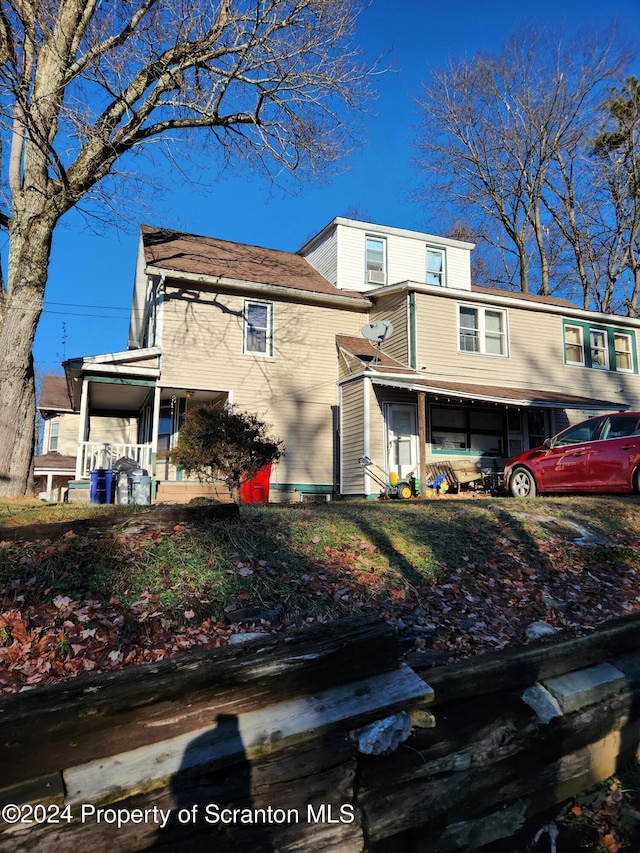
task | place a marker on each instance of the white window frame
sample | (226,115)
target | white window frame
(268,329)
(594,349)
(372,275)
(629,351)
(54,436)
(432,250)
(481,311)
(582,362)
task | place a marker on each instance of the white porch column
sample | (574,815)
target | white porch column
(154,429)
(366,438)
(82,427)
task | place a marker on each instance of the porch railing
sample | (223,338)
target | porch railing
(98,454)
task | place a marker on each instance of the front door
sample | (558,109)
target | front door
(402,439)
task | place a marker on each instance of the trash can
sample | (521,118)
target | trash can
(122,467)
(102,485)
(122,488)
(256,490)
(139,487)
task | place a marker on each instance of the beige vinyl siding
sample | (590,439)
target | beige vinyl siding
(68,426)
(294,391)
(535,360)
(394,308)
(406,258)
(353,439)
(323,256)
(103,429)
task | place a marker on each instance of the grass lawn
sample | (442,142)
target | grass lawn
(456,575)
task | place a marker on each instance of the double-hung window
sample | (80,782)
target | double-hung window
(599,347)
(623,351)
(376,261)
(258,328)
(436,267)
(54,435)
(573,345)
(482,330)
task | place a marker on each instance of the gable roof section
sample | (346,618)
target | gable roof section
(392,373)
(54,395)
(174,252)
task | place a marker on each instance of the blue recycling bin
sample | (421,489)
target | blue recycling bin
(102,486)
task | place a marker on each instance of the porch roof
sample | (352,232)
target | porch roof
(384,370)
(54,462)
(132,371)
(502,394)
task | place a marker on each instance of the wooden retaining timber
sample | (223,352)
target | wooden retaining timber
(273,733)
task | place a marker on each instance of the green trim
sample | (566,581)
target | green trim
(316,488)
(413,358)
(119,380)
(610,332)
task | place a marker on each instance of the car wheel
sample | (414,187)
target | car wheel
(636,481)
(522,484)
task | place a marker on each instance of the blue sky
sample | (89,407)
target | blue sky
(91,274)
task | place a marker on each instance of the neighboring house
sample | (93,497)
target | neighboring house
(468,373)
(53,470)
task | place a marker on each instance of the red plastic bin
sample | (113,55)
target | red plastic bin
(256,490)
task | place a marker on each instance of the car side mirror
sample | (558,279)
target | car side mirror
(547,443)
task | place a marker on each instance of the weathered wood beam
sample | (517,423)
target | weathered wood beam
(519,666)
(96,716)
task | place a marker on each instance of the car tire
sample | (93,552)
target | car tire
(636,481)
(522,483)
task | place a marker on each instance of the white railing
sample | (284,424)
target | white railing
(98,454)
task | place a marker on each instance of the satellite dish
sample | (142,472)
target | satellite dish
(378,331)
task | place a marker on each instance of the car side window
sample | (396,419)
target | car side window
(576,435)
(620,426)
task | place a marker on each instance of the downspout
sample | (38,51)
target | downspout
(412,330)
(366,428)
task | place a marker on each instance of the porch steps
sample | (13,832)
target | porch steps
(182,493)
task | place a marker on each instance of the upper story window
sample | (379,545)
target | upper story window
(436,267)
(376,261)
(622,343)
(258,328)
(573,345)
(599,347)
(54,435)
(482,330)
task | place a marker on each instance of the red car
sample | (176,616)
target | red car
(601,454)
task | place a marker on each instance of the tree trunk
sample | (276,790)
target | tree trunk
(20,309)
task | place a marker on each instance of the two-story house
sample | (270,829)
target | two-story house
(463,373)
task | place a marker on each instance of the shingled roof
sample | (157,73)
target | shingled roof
(173,251)
(382,368)
(54,395)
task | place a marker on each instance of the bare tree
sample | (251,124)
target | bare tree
(84,83)
(502,135)
(616,151)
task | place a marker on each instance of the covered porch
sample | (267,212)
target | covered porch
(416,426)
(126,415)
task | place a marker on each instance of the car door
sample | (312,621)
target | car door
(564,466)
(615,455)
